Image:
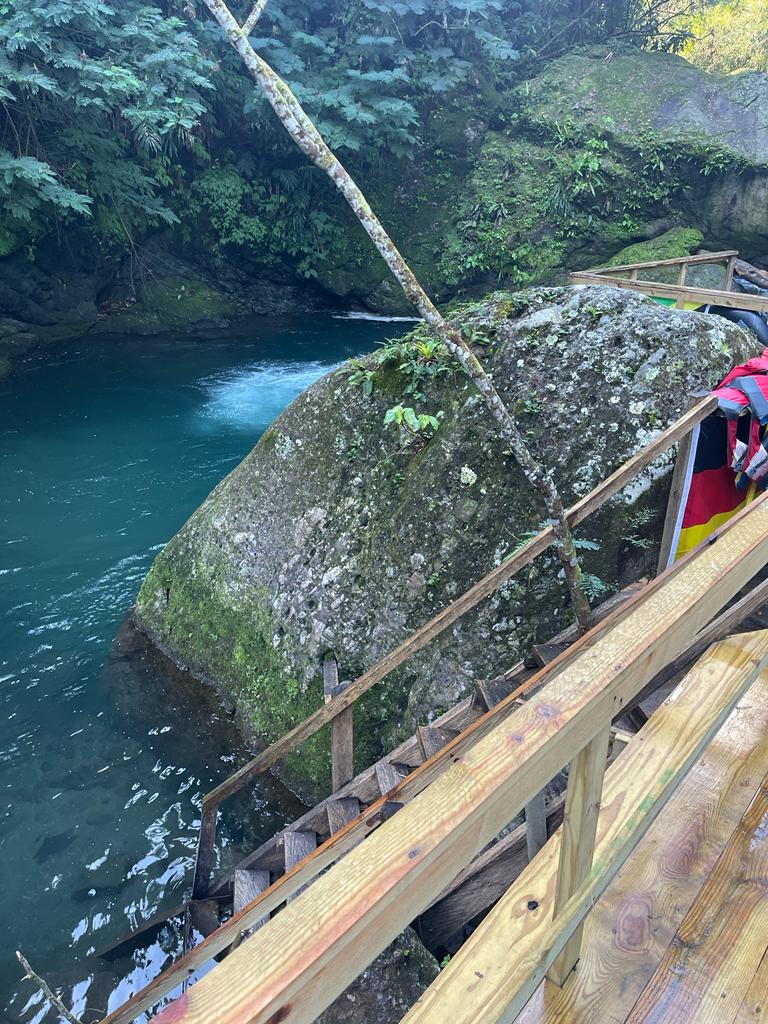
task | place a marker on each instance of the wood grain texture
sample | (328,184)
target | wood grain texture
(712,960)
(340,844)
(754,1008)
(308,954)
(577,843)
(498,966)
(629,929)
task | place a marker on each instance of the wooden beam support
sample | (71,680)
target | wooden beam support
(296,966)
(676,489)
(342,729)
(495,972)
(721,256)
(535,824)
(577,847)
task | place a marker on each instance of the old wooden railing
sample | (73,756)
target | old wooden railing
(340,698)
(639,277)
(295,966)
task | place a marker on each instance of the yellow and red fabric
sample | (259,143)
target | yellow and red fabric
(728,462)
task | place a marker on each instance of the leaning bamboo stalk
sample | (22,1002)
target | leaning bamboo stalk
(304,133)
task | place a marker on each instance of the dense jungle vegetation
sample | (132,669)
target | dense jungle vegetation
(121,119)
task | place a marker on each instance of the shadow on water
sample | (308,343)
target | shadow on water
(106,748)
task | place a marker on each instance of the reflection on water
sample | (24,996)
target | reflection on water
(106,749)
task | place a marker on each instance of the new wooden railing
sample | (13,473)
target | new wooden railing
(340,698)
(295,966)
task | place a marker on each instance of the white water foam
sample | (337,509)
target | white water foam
(251,397)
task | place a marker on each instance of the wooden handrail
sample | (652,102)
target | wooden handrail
(445,618)
(301,960)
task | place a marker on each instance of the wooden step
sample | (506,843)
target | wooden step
(341,812)
(249,884)
(432,739)
(493,691)
(297,846)
(389,775)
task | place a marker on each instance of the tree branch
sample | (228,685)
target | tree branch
(250,22)
(47,991)
(306,136)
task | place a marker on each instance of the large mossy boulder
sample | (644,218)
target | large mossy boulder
(338,534)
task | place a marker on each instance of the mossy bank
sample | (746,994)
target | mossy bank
(340,534)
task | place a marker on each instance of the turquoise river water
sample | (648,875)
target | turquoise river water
(105,751)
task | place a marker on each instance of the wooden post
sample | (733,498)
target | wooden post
(676,489)
(582,806)
(206,851)
(681,284)
(535,824)
(729,269)
(342,738)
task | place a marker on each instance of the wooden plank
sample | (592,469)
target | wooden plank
(341,812)
(630,927)
(297,846)
(206,851)
(248,885)
(432,739)
(754,1008)
(657,289)
(711,962)
(535,824)
(716,630)
(338,845)
(342,729)
(501,964)
(577,845)
(731,266)
(450,614)
(312,950)
(388,776)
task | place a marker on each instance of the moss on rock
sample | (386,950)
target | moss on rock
(667,246)
(338,534)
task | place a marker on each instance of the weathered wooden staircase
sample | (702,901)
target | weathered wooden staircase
(280,869)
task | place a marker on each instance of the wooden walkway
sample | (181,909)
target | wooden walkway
(294,966)
(274,875)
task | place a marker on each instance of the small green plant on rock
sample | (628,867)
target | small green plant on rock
(418,424)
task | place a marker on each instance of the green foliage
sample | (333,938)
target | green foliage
(87,88)
(416,423)
(724,36)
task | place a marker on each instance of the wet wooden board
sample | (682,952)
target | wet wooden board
(712,960)
(311,951)
(495,972)
(630,927)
